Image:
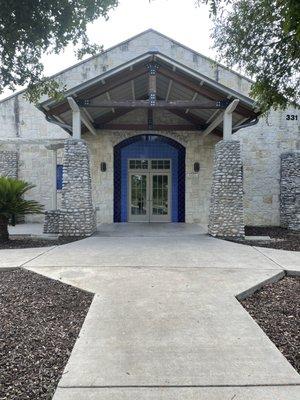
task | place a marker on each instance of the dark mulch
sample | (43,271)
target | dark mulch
(281,238)
(40,321)
(276,308)
(27,242)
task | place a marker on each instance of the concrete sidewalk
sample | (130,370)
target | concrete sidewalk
(165,323)
(171,251)
(172,332)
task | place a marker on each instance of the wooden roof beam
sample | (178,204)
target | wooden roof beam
(193,99)
(217,121)
(145,127)
(169,89)
(201,89)
(132,89)
(98,90)
(198,122)
(181,104)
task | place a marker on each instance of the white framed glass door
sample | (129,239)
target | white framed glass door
(149,190)
(138,197)
(160,195)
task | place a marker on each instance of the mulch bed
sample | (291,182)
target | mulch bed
(28,242)
(281,238)
(40,321)
(276,309)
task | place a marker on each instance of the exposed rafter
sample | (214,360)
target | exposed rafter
(97,90)
(201,89)
(212,116)
(169,89)
(203,95)
(193,100)
(87,114)
(198,122)
(109,99)
(99,122)
(132,89)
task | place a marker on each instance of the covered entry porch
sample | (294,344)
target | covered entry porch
(118,117)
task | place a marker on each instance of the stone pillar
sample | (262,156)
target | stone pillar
(51,222)
(290,190)
(77,215)
(9,164)
(226,218)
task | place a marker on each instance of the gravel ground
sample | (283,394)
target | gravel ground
(27,242)
(276,309)
(282,238)
(40,321)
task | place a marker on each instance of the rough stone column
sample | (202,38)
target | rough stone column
(290,190)
(77,215)
(226,216)
(9,164)
(51,222)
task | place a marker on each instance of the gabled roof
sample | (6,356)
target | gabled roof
(129,81)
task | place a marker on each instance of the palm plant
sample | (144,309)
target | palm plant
(12,203)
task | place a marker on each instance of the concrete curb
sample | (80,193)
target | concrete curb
(243,295)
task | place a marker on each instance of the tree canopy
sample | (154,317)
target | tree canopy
(263,38)
(31,28)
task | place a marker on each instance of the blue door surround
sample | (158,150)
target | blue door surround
(149,146)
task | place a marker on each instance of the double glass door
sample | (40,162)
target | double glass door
(149,190)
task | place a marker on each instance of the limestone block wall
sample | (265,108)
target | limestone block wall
(198,184)
(226,217)
(290,190)
(9,164)
(140,44)
(262,146)
(21,121)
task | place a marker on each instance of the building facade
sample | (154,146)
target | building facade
(151,131)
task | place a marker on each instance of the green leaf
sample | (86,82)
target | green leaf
(12,200)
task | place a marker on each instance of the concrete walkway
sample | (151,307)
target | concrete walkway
(165,323)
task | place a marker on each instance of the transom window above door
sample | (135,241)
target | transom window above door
(138,164)
(160,164)
(152,164)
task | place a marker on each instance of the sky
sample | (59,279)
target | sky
(182,20)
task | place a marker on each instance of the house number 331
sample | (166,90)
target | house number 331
(292,117)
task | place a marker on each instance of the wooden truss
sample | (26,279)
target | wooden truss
(87,100)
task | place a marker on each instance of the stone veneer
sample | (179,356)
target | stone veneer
(77,215)
(290,190)
(9,164)
(51,222)
(262,144)
(226,217)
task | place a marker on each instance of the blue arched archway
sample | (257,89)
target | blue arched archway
(149,146)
